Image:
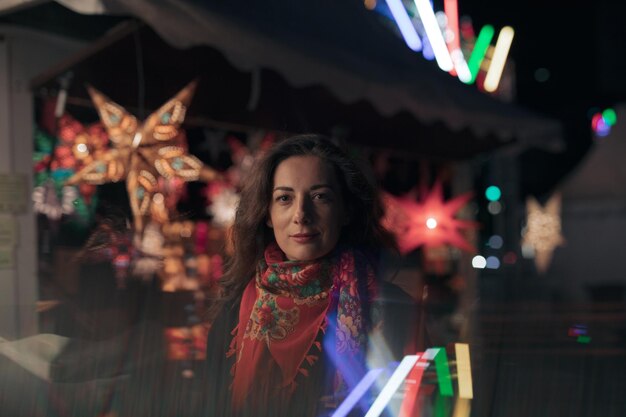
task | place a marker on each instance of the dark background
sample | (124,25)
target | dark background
(580,45)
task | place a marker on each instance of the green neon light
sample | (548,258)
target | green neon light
(443,373)
(480,49)
(609,116)
(441,406)
(583,339)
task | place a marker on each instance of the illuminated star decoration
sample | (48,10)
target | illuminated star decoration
(76,143)
(142,153)
(428,223)
(244,156)
(543,230)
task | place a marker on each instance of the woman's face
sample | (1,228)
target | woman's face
(306,210)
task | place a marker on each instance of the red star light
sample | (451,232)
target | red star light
(429,223)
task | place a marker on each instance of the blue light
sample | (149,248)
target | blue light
(404,24)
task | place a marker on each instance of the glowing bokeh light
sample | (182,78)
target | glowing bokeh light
(493,262)
(493,193)
(467,28)
(495,242)
(595,120)
(480,49)
(494,207)
(425,11)
(431,223)
(370,4)
(404,24)
(479,262)
(542,75)
(603,129)
(583,339)
(577,330)
(509,258)
(609,116)
(500,54)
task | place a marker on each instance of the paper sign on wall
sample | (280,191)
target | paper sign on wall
(13,193)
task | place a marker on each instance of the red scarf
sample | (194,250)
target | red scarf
(282,312)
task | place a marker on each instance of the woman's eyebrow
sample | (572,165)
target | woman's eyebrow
(318,186)
(282,188)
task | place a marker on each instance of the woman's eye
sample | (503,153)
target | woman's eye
(321,196)
(283,198)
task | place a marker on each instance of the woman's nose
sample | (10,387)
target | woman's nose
(303,213)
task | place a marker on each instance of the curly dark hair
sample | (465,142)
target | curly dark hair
(250,233)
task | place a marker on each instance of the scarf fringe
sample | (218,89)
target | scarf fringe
(311,359)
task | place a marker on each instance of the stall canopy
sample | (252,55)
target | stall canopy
(298,66)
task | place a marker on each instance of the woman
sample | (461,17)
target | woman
(290,331)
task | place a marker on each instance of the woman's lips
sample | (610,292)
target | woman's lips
(304,237)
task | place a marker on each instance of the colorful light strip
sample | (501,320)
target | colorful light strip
(413,382)
(464,370)
(480,49)
(451,8)
(461,69)
(443,372)
(392,386)
(503,45)
(462,408)
(460,66)
(357,393)
(425,11)
(404,24)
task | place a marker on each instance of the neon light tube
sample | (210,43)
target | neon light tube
(460,66)
(480,49)
(443,373)
(462,408)
(464,370)
(451,9)
(413,382)
(392,385)
(435,37)
(359,391)
(405,25)
(503,44)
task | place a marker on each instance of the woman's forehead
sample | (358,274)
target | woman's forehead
(308,170)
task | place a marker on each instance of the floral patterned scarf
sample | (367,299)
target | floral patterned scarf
(284,309)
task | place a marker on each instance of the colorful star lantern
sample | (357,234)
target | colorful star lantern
(53,165)
(78,146)
(543,230)
(142,154)
(428,223)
